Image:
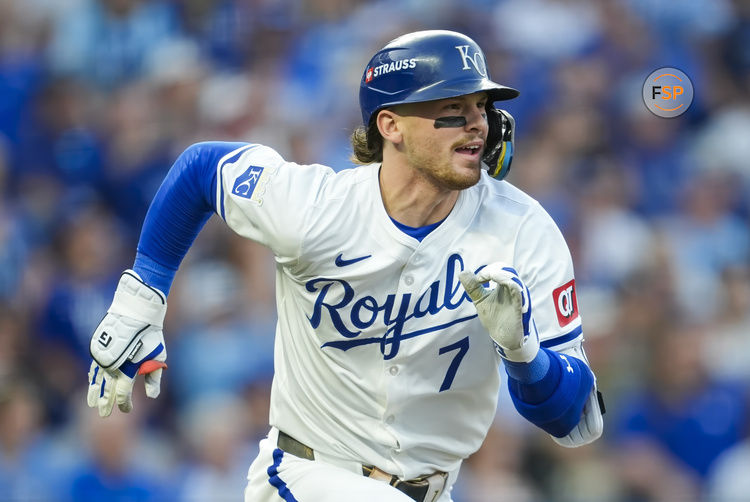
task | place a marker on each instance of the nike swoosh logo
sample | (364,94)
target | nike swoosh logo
(341,262)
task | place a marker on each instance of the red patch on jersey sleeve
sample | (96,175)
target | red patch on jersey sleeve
(566,303)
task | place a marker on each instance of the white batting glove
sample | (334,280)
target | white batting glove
(505,310)
(128,342)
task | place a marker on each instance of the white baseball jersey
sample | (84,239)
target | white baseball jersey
(379,355)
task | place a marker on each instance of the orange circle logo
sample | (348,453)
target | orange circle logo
(668,92)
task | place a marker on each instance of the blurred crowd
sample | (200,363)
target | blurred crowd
(98,97)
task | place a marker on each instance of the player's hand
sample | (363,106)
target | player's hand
(504,310)
(128,342)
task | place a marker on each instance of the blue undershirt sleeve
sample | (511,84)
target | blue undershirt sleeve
(551,390)
(182,205)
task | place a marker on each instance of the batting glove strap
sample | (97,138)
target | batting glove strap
(132,368)
(139,301)
(136,308)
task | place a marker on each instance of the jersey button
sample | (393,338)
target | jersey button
(408,280)
(393,370)
(390,419)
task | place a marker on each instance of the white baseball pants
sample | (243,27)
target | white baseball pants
(277,476)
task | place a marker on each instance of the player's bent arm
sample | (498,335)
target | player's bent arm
(550,389)
(548,272)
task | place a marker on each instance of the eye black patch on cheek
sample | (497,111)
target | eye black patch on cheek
(456,121)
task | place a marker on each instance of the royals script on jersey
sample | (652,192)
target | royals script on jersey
(379,355)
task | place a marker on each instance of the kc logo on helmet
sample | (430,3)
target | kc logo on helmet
(476,60)
(566,304)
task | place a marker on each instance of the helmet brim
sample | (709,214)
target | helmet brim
(495,91)
(440,90)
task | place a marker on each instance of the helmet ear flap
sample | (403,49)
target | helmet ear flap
(499,150)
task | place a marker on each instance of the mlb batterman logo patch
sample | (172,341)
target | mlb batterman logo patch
(566,304)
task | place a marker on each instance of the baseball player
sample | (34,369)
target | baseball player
(402,286)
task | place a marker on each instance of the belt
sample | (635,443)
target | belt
(423,489)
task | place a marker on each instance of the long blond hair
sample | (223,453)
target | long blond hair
(367,145)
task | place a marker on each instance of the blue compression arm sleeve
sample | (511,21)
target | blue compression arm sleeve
(183,204)
(551,390)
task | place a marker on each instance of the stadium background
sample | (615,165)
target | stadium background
(97,98)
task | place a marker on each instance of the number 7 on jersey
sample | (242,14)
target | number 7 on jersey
(461,346)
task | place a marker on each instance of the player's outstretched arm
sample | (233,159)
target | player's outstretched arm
(129,340)
(550,389)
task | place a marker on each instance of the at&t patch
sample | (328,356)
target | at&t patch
(566,304)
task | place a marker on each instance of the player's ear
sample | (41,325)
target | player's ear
(388,125)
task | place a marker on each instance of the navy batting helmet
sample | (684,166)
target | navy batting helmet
(423,66)
(438,64)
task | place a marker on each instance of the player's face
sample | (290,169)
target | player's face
(449,154)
